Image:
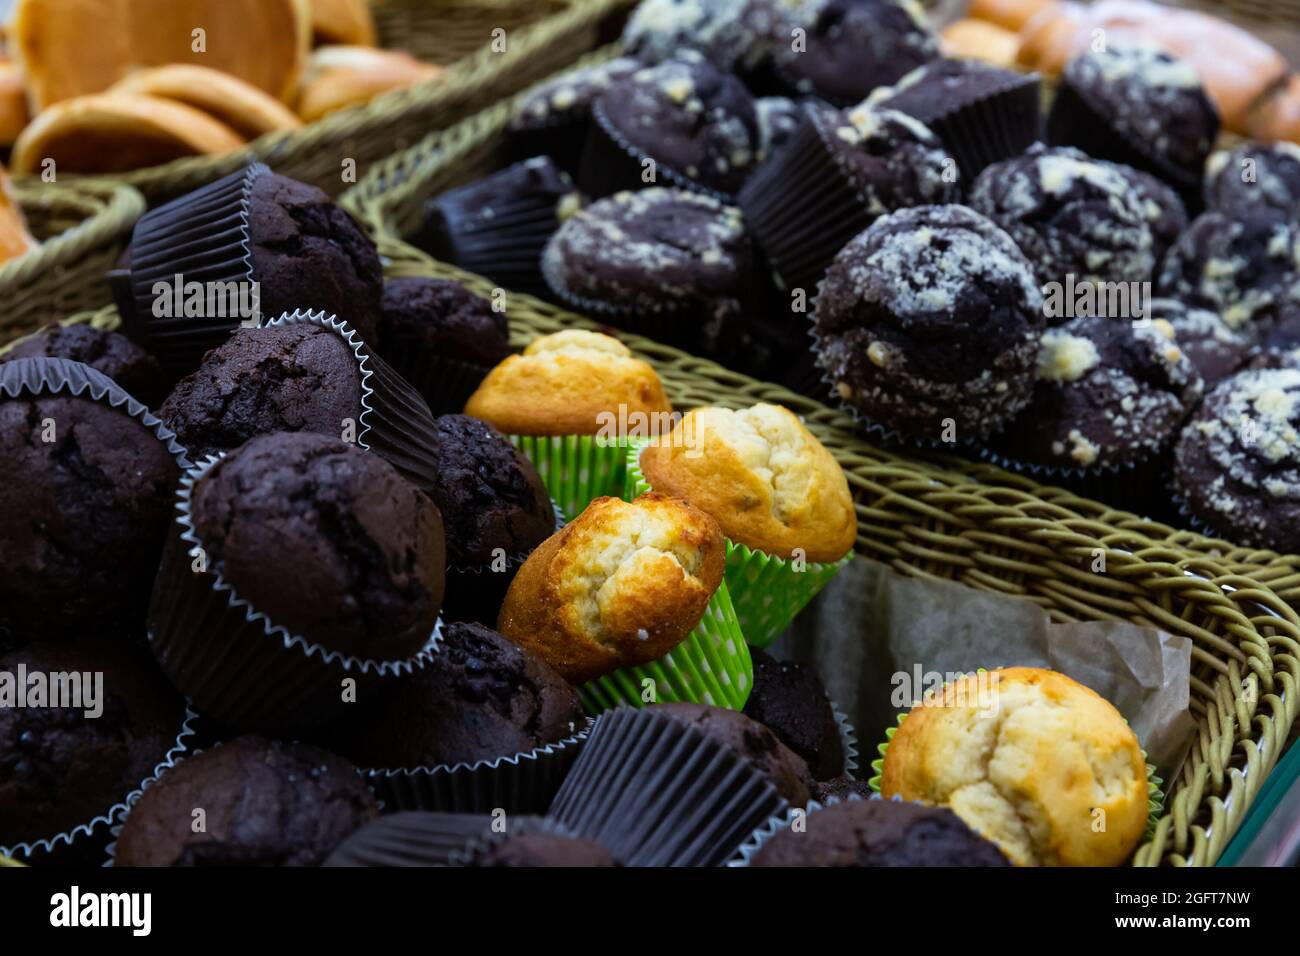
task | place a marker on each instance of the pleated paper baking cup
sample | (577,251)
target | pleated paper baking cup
(488,839)
(475,592)
(1001,123)
(767,591)
(801,208)
(231,660)
(445,383)
(522,783)
(410,839)
(780,822)
(576,469)
(203,237)
(395,422)
(66,847)
(712,666)
(659,793)
(848,741)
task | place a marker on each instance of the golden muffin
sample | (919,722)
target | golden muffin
(339,77)
(762,476)
(240,105)
(621,585)
(569,383)
(1039,764)
(117,132)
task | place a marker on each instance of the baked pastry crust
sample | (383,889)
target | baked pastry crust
(568,383)
(15,239)
(762,475)
(339,77)
(622,584)
(237,103)
(342,21)
(1030,759)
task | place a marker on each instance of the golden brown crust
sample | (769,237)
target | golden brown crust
(622,584)
(1030,759)
(342,21)
(116,132)
(14,237)
(339,77)
(240,105)
(973,39)
(73,49)
(1008,14)
(570,383)
(762,475)
(14,114)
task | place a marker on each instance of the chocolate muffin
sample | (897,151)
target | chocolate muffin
(1237,463)
(1109,393)
(880,833)
(1254,176)
(1244,268)
(299,378)
(109,352)
(928,322)
(778,117)
(1136,104)
(1165,213)
(734,35)
(790,701)
(481,697)
(491,498)
(665,262)
(85,503)
(307,253)
(497,226)
(64,766)
(540,849)
(783,768)
(327,541)
(1208,342)
(841,788)
(854,46)
(265,803)
(696,123)
(1070,216)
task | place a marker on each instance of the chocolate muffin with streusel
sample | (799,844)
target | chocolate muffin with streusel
(1137,104)
(542,849)
(1254,176)
(757,744)
(1237,463)
(1244,268)
(842,170)
(109,352)
(1210,344)
(736,36)
(62,767)
(928,325)
(693,125)
(790,701)
(277,379)
(852,47)
(879,833)
(1074,219)
(265,803)
(442,338)
(1165,213)
(325,539)
(1108,394)
(668,263)
(481,697)
(85,503)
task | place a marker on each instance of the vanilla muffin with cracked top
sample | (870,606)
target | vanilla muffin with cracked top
(567,384)
(621,585)
(767,481)
(1028,758)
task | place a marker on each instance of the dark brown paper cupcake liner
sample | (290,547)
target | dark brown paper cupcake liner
(444,383)
(802,209)
(395,422)
(660,793)
(411,839)
(233,662)
(486,840)
(561,139)
(203,237)
(999,125)
(475,592)
(68,847)
(611,164)
(523,783)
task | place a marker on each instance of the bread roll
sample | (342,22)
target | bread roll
(762,476)
(15,239)
(14,114)
(1008,14)
(569,383)
(240,105)
(339,77)
(621,585)
(342,21)
(1030,759)
(971,39)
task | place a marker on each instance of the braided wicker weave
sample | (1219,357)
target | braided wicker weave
(541,36)
(84,227)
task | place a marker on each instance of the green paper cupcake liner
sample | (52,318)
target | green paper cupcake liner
(712,666)
(1155,795)
(576,468)
(768,592)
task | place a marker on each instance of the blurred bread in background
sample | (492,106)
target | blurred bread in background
(240,105)
(341,76)
(345,22)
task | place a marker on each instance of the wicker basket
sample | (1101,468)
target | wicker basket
(84,227)
(541,37)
